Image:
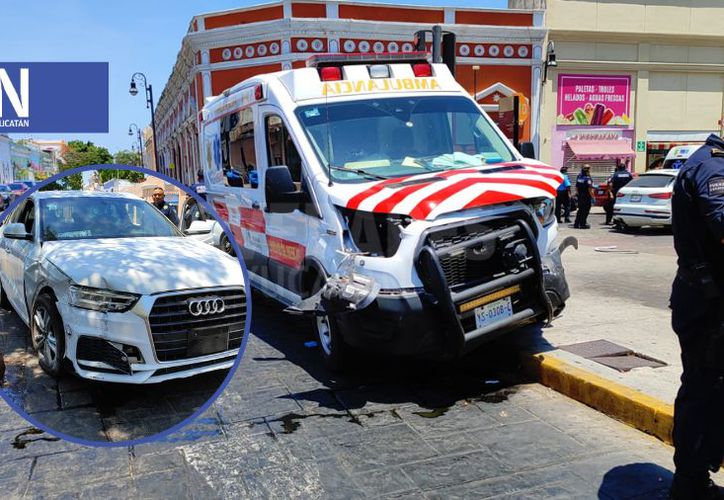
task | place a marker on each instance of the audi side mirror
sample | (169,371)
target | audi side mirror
(16,231)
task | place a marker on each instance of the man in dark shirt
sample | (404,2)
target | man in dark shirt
(584,190)
(619,179)
(166,209)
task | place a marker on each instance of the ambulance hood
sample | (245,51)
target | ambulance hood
(427,196)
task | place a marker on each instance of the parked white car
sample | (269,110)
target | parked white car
(198,224)
(108,285)
(645,201)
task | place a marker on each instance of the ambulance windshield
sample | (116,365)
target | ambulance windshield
(390,137)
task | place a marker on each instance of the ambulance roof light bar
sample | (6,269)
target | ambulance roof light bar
(327,60)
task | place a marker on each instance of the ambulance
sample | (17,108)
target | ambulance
(372,193)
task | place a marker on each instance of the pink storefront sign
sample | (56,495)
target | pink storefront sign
(594,100)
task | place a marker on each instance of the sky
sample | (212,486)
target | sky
(131,35)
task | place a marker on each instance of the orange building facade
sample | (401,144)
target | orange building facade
(224,48)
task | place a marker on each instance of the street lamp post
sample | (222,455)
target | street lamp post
(140,143)
(149,104)
(475,82)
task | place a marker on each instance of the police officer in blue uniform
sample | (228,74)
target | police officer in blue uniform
(563,197)
(584,191)
(697,303)
(166,209)
(619,179)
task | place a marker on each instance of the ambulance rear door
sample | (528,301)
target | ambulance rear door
(241,153)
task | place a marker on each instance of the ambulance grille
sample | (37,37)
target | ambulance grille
(172,323)
(465,266)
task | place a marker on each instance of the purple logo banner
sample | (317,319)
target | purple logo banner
(66,97)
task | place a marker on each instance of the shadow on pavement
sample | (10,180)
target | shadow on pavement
(637,480)
(482,375)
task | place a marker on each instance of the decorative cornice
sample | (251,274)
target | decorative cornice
(682,39)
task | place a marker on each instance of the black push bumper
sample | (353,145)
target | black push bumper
(439,320)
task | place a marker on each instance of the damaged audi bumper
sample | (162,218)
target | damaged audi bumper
(121,347)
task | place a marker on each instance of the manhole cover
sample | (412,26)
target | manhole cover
(612,355)
(626,363)
(596,349)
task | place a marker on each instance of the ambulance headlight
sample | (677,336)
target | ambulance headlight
(543,209)
(375,233)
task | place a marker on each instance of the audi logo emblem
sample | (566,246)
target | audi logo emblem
(206,306)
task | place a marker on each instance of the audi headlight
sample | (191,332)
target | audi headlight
(543,209)
(99,299)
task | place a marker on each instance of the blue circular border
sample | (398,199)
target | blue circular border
(247,327)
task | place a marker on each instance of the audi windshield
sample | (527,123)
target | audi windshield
(91,217)
(391,137)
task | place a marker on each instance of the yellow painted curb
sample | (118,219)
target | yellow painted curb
(643,412)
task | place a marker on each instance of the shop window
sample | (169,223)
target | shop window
(281,149)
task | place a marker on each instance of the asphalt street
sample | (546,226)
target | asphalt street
(89,410)
(388,428)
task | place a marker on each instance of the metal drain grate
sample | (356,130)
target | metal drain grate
(612,355)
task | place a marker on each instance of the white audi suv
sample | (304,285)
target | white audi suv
(112,289)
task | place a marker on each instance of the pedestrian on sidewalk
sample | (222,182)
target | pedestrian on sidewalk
(619,179)
(697,304)
(563,197)
(584,190)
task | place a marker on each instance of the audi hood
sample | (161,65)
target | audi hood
(427,196)
(144,265)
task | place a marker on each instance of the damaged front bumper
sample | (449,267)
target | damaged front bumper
(116,347)
(439,319)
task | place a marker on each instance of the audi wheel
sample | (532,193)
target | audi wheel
(47,335)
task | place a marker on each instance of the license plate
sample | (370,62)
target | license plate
(202,341)
(635,197)
(493,312)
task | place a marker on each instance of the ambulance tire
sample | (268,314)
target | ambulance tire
(336,354)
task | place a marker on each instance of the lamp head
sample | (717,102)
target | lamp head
(133,90)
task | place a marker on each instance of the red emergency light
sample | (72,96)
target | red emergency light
(330,73)
(258,92)
(422,70)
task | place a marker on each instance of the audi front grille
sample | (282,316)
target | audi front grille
(179,334)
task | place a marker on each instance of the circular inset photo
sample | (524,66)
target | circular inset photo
(123,306)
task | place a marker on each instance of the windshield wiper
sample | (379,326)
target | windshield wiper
(359,171)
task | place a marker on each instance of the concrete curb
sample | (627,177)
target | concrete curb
(632,407)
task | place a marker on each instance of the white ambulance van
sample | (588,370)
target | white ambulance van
(375,194)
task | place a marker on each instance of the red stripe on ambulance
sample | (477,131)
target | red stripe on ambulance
(423,209)
(287,252)
(221,210)
(252,219)
(491,198)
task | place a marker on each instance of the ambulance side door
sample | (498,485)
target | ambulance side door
(240,157)
(287,233)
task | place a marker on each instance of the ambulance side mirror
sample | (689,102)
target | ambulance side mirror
(527,150)
(281,193)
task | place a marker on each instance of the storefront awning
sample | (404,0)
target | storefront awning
(601,149)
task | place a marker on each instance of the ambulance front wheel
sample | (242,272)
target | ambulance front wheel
(335,352)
